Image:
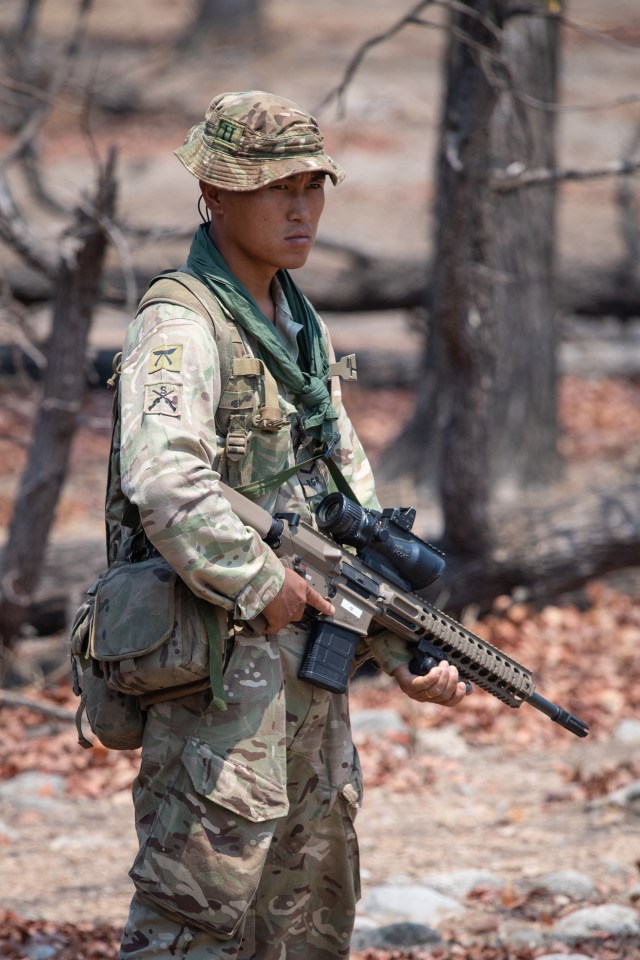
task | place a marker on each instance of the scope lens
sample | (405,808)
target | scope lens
(340,516)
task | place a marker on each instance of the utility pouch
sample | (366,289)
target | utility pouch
(116,719)
(140,636)
(149,632)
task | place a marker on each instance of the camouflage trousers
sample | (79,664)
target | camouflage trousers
(245,818)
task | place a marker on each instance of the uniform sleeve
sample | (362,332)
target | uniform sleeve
(349,453)
(389,650)
(170,389)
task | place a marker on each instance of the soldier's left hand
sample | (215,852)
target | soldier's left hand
(441,685)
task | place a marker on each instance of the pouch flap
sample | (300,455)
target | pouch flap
(134,609)
(81,629)
(233,785)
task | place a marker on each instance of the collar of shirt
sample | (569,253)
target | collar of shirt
(286,326)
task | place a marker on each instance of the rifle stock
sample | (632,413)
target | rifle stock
(364,598)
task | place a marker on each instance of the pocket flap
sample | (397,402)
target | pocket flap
(134,609)
(234,785)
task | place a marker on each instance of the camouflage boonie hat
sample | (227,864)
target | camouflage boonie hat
(251,138)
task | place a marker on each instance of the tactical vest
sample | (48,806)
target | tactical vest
(252,419)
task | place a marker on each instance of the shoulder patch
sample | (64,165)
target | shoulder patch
(166,358)
(163,398)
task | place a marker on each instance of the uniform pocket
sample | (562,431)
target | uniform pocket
(206,850)
(350,799)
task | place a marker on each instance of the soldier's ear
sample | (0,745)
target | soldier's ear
(211,197)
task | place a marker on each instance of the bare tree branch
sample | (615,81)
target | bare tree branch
(53,100)
(629,213)
(411,18)
(517,176)
(528,10)
(611,104)
(337,93)
(60,77)
(15,231)
(119,239)
(10,699)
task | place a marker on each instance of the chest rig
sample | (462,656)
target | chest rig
(252,420)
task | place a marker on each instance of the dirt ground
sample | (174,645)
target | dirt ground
(489,808)
(503,806)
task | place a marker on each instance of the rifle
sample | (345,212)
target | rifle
(375,586)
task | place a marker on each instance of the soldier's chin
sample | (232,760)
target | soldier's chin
(296,256)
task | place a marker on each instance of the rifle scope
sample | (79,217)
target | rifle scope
(383,540)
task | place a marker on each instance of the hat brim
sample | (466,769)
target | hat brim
(240,173)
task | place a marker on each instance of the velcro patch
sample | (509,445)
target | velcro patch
(228,133)
(166,358)
(163,398)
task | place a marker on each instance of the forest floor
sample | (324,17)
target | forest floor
(482,787)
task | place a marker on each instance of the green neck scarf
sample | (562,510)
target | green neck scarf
(308,382)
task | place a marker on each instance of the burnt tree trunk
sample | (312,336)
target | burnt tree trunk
(220,22)
(548,549)
(525,442)
(463,351)
(488,368)
(76,294)
(450,433)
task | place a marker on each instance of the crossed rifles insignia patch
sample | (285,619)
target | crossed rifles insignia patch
(162,396)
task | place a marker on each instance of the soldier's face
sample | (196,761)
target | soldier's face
(270,228)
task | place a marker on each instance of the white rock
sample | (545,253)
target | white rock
(377,721)
(460,883)
(411,902)
(607,918)
(570,883)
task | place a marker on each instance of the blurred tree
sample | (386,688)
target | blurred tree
(486,404)
(27,23)
(222,22)
(73,264)
(485,417)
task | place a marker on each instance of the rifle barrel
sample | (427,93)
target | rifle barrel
(559,715)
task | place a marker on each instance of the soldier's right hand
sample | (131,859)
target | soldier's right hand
(288,604)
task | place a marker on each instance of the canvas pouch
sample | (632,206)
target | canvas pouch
(142,635)
(148,632)
(116,719)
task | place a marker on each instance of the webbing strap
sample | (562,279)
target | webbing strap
(209,616)
(259,487)
(270,416)
(247,367)
(160,292)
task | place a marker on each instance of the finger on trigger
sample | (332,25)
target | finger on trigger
(319,602)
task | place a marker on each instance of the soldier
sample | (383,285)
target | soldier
(244,810)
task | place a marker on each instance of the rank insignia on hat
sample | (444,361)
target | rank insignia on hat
(166,358)
(163,398)
(228,132)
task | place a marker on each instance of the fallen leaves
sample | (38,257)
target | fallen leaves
(584,659)
(599,418)
(24,939)
(26,744)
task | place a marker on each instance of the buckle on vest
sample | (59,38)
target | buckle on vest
(345,368)
(236,444)
(270,418)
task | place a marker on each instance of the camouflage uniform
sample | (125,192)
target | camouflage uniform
(244,816)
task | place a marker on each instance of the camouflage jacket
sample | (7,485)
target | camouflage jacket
(175,420)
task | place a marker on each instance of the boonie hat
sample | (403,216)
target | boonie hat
(250,138)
